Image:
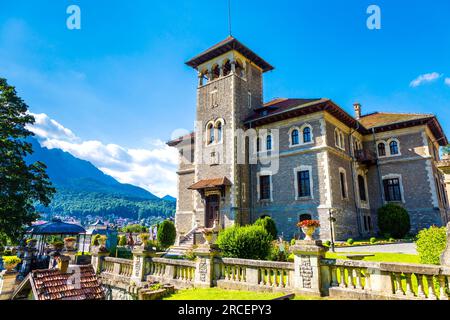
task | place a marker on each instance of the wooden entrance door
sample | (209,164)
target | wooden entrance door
(212,210)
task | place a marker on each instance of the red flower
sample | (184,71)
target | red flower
(308,223)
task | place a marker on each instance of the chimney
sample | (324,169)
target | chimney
(357,107)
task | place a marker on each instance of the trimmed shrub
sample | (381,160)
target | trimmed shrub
(268,224)
(293,242)
(373,240)
(279,252)
(350,241)
(166,234)
(393,220)
(247,242)
(431,244)
(95,239)
(327,243)
(122,241)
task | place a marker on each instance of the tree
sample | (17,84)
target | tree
(393,221)
(22,185)
(268,224)
(166,234)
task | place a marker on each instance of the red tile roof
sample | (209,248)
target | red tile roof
(210,183)
(52,284)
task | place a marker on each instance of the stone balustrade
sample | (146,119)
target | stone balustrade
(171,271)
(376,280)
(117,267)
(254,274)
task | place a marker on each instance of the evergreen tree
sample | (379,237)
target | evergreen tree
(22,185)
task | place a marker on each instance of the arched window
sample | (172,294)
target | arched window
(226,68)
(294,137)
(210,133)
(215,72)
(269,142)
(219,131)
(307,135)
(338,139)
(381,149)
(362,188)
(393,147)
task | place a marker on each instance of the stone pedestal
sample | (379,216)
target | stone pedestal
(7,284)
(204,269)
(445,257)
(307,256)
(98,256)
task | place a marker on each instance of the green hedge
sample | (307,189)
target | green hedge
(268,224)
(393,221)
(247,242)
(431,244)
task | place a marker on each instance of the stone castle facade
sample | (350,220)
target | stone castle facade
(295,159)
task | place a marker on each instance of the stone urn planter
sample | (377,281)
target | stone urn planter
(309,227)
(10,262)
(208,235)
(57,246)
(69,243)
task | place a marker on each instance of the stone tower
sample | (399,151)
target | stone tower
(230,87)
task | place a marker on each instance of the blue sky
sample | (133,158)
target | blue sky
(121,80)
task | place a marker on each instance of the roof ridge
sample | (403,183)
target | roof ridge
(400,113)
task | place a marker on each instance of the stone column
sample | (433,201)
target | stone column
(98,256)
(140,258)
(307,256)
(445,257)
(7,284)
(204,268)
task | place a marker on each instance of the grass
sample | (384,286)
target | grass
(222,294)
(379,256)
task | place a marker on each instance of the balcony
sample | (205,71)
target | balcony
(365,157)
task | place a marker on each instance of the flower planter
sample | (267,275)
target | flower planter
(10,266)
(69,244)
(208,236)
(308,231)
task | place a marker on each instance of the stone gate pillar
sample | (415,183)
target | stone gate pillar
(307,276)
(140,259)
(204,268)
(98,256)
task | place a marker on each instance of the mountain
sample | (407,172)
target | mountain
(169,198)
(82,189)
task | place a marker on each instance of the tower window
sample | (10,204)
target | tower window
(304,184)
(210,132)
(294,137)
(269,142)
(219,131)
(307,135)
(393,146)
(381,149)
(392,189)
(362,188)
(264,187)
(249,100)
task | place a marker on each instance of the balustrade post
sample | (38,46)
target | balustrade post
(307,276)
(379,281)
(141,256)
(97,258)
(204,266)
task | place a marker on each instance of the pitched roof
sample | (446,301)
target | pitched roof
(379,119)
(210,183)
(189,137)
(52,284)
(224,46)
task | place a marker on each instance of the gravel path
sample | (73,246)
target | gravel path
(409,248)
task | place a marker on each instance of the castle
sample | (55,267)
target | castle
(296,159)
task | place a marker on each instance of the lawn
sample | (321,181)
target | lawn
(222,294)
(379,256)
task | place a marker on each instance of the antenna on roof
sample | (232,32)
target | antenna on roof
(229,17)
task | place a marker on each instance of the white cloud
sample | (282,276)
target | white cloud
(153,169)
(425,78)
(447,81)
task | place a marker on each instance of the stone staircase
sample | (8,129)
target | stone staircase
(185,244)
